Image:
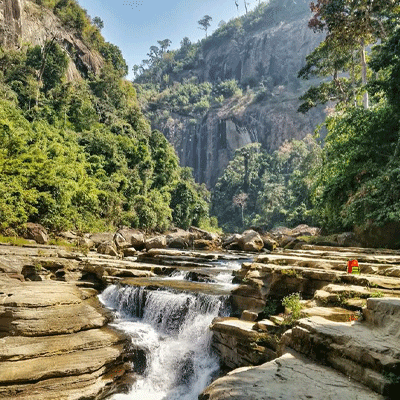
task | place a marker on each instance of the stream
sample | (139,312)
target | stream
(170,332)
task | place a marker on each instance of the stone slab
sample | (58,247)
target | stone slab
(288,377)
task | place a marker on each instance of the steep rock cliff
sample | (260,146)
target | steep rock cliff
(23,21)
(273,55)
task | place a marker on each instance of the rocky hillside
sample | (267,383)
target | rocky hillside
(263,51)
(24,21)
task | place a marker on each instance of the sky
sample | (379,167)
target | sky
(134,26)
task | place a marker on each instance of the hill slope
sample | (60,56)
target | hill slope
(75,149)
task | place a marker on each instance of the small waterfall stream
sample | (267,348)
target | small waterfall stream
(170,332)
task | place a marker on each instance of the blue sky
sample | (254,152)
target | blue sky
(134,26)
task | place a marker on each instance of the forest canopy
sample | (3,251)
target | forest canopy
(79,153)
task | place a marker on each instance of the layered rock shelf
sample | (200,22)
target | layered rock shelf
(286,378)
(346,343)
(55,342)
(54,338)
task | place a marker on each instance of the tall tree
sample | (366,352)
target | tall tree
(350,25)
(98,22)
(204,23)
(164,44)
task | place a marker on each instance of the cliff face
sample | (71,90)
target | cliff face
(10,21)
(23,21)
(272,55)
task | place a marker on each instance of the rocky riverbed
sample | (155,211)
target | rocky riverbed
(56,341)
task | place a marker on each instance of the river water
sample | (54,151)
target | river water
(170,330)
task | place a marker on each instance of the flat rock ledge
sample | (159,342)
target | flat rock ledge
(346,344)
(288,377)
(54,343)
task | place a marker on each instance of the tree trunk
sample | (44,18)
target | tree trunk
(364,74)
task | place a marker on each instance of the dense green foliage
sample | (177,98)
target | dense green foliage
(269,189)
(358,183)
(81,154)
(353,179)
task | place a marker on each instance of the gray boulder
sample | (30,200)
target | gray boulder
(251,241)
(36,232)
(158,242)
(107,249)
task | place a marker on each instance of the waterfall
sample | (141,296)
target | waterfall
(170,331)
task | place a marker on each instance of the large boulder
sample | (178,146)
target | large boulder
(282,232)
(348,239)
(305,230)
(269,243)
(386,236)
(232,242)
(36,232)
(102,237)
(85,242)
(251,241)
(158,242)
(120,241)
(107,249)
(203,244)
(126,237)
(137,239)
(130,252)
(69,235)
(180,239)
(202,234)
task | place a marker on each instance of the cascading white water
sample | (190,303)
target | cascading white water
(172,329)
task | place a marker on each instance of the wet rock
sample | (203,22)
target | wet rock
(198,277)
(186,369)
(139,360)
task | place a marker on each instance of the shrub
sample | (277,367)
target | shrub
(292,303)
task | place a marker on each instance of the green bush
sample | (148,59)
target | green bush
(292,303)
